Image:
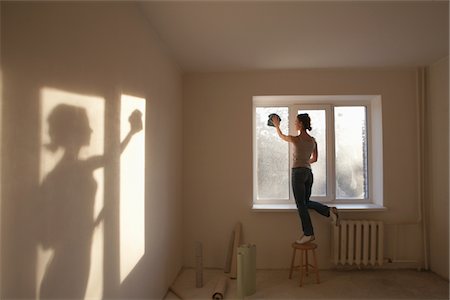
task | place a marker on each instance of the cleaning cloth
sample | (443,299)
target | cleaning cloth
(269,122)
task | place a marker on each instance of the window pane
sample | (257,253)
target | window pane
(319,168)
(272,155)
(351,152)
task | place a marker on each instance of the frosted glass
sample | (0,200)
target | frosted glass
(272,155)
(319,168)
(351,152)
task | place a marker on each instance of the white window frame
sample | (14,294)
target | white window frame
(372,103)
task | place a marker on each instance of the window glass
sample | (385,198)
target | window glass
(351,152)
(319,168)
(272,157)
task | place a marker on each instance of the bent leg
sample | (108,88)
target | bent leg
(317,206)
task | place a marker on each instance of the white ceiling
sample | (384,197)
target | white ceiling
(255,35)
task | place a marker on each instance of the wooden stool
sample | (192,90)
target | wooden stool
(304,265)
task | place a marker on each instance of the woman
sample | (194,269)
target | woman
(304,154)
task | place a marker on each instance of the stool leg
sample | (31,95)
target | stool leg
(306,262)
(301,267)
(315,266)
(292,264)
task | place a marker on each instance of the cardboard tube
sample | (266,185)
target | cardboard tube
(220,289)
(246,273)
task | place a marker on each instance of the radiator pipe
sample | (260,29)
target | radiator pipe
(421,95)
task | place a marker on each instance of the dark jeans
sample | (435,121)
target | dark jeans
(302,181)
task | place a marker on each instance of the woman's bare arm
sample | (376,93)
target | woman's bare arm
(284,137)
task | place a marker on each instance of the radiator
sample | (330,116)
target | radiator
(358,242)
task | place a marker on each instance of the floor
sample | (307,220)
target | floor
(356,284)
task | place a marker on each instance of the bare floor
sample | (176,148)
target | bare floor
(355,284)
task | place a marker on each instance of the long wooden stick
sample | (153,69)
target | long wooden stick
(236,243)
(227,268)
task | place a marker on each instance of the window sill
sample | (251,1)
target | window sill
(344,207)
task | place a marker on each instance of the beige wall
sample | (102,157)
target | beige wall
(437,135)
(217,170)
(102,50)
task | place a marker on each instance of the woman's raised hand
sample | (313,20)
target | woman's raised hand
(275,121)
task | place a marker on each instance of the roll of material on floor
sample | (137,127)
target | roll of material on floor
(246,270)
(220,289)
(175,292)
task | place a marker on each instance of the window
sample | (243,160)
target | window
(350,131)
(272,165)
(348,134)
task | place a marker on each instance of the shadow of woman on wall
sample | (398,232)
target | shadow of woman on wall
(67,197)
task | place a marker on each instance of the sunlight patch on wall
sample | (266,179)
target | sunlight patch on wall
(132,189)
(71,195)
